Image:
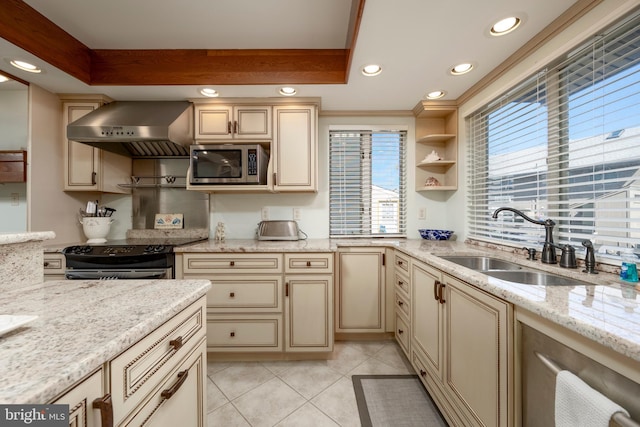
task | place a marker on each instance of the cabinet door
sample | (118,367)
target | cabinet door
(426,317)
(181,399)
(294,148)
(237,122)
(477,325)
(81,160)
(360,303)
(309,313)
(80,400)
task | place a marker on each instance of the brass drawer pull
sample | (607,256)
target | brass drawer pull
(400,303)
(176,343)
(308,263)
(232,294)
(232,263)
(168,393)
(105,406)
(423,373)
(400,332)
(436,285)
(232,334)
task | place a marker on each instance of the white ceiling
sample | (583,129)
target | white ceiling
(416,42)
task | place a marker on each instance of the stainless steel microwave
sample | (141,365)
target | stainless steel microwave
(228,164)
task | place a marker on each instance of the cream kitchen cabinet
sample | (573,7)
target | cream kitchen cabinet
(461,348)
(244,304)
(156,381)
(82,412)
(360,290)
(87,168)
(252,122)
(308,302)
(54,266)
(402,292)
(294,150)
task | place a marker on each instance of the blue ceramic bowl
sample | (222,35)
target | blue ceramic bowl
(435,234)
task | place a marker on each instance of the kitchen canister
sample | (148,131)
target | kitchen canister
(96,228)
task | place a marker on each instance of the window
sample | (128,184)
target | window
(367,183)
(565,145)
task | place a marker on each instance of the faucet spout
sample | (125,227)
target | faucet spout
(548,249)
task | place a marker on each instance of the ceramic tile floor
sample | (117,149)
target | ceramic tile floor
(298,393)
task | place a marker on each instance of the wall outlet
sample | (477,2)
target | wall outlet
(422,213)
(296,214)
(15,199)
(265,213)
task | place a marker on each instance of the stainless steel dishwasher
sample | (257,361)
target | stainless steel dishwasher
(541,358)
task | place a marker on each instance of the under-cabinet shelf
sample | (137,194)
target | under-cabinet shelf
(436,137)
(437,163)
(161,181)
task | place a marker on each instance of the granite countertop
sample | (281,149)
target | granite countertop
(9,238)
(605,310)
(80,325)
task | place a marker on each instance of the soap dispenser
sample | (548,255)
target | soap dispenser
(628,269)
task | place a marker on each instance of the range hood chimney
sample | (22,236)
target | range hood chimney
(137,128)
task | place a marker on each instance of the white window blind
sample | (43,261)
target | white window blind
(367,183)
(565,145)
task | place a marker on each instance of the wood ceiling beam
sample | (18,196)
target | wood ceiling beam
(220,67)
(26,28)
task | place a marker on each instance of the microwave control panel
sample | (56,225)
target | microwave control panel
(252,162)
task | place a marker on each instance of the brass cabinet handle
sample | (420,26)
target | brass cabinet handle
(235,127)
(105,406)
(232,334)
(400,331)
(229,127)
(423,373)
(400,303)
(46,263)
(399,263)
(440,297)
(93,178)
(168,393)
(308,263)
(286,289)
(232,263)
(436,285)
(176,343)
(232,294)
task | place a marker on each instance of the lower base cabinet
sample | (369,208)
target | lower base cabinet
(461,348)
(158,381)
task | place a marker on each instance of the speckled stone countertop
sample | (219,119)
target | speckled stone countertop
(80,325)
(9,238)
(605,310)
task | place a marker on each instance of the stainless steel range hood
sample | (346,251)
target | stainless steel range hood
(137,128)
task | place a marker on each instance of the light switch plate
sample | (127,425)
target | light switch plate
(265,213)
(422,213)
(296,214)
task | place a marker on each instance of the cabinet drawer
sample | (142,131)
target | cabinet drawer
(54,264)
(232,263)
(246,333)
(179,400)
(137,371)
(402,305)
(308,263)
(402,284)
(402,333)
(402,263)
(250,294)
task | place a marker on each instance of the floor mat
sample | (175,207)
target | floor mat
(395,400)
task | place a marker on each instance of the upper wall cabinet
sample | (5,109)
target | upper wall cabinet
(294,153)
(436,146)
(232,122)
(87,168)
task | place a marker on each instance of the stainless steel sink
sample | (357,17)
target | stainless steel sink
(482,263)
(529,277)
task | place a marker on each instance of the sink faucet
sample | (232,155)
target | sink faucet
(589,259)
(548,250)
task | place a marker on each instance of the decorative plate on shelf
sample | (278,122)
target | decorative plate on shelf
(10,322)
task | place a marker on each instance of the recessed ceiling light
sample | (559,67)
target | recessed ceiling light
(3,78)
(25,66)
(207,91)
(371,70)
(436,94)
(461,69)
(287,91)
(505,26)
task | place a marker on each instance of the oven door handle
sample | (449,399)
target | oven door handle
(115,274)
